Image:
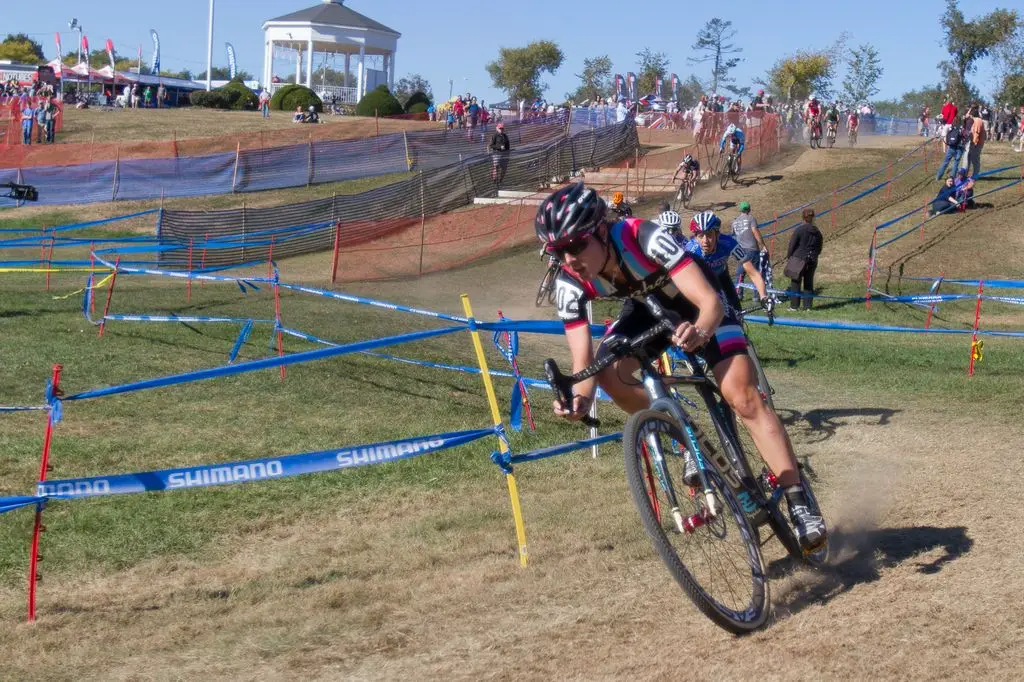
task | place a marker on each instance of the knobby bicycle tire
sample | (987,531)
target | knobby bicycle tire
(723,179)
(546,290)
(755,614)
(763,387)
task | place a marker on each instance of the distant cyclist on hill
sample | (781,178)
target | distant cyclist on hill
(734,136)
(689,167)
(628,259)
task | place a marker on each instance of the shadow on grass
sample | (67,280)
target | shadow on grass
(758,180)
(860,557)
(824,423)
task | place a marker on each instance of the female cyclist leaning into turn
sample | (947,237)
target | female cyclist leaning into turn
(630,257)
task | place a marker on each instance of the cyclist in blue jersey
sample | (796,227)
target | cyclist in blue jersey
(734,136)
(628,259)
(716,248)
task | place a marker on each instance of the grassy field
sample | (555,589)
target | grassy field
(116,125)
(409,568)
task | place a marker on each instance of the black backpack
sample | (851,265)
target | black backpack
(954,136)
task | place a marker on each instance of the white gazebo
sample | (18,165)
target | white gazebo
(331,29)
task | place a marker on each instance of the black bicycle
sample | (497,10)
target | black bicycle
(708,534)
(830,135)
(731,168)
(546,290)
(684,195)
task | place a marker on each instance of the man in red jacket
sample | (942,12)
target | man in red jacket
(949,113)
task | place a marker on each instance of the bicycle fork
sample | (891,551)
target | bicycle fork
(712,506)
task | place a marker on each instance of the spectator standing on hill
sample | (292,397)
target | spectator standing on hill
(979,135)
(922,121)
(51,119)
(136,95)
(954,141)
(949,113)
(40,120)
(499,148)
(265,102)
(147,96)
(27,117)
(161,96)
(802,260)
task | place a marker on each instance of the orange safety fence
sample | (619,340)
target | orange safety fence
(439,242)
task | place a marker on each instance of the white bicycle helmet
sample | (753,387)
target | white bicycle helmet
(731,129)
(669,219)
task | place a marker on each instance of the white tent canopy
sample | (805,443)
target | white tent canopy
(331,28)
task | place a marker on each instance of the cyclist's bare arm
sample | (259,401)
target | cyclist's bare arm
(692,283)
(582,350)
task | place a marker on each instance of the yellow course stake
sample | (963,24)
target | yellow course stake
(492,400)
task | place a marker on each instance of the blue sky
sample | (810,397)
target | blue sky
(454,40)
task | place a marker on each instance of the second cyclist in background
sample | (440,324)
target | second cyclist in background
(619,206)
(734,136)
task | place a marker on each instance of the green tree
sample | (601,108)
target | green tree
(1012,90)
(690,91)
(653,65)
(18,47)
(595,81)
(865,70)
(970,41)
(517,70)
(713,41)
(223,73)
(910,103)
(184,74)
(410,84)
(794,78)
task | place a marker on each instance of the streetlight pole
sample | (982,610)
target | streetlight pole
(209,51)
(451,86)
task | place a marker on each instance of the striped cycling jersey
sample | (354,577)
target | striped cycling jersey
(648,255)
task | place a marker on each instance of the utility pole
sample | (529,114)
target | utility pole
(209,51)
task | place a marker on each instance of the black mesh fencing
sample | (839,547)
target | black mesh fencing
(245,235)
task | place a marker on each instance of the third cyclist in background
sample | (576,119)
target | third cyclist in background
(734,136)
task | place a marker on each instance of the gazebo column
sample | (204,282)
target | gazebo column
(391,70)
(309,63)
(347,58)
(268,63)
(298,66)
(361,78)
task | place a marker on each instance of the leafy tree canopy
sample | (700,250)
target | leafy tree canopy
(518,70)
(18,47)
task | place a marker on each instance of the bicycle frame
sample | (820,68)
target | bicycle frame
(731,465)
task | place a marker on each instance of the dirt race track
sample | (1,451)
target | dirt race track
(925,582)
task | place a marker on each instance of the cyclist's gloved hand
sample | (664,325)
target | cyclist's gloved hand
(580,407)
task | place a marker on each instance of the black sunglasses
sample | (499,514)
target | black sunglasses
(572,248)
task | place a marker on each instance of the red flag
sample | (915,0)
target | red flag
(60,55)
(110,52)
(85,47)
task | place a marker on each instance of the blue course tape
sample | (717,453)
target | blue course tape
(243,335)
(245,471)
(79,226)
(266,363)
(372,302)
(177,318)
(555,450)
(848,326)
(23,408)
(988,283)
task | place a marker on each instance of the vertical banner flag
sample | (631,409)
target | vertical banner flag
(155,66)
(60,55)
(631,86)
(110,52)
(675,87)
(657,87)
(85,47)
(618,87)
(231,60)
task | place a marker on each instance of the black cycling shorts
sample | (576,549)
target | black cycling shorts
(634,319)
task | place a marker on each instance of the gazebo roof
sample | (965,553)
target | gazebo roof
(334,13)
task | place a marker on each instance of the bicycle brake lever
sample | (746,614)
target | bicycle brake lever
(562,388)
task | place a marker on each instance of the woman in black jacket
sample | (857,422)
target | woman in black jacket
(802,260)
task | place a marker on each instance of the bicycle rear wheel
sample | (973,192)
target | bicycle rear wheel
(686,194)
(723,178)
(716,559)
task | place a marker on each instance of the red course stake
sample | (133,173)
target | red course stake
(44,466)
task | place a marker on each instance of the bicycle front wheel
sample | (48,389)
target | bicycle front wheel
(705,540)
(724,177)
(546,290)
